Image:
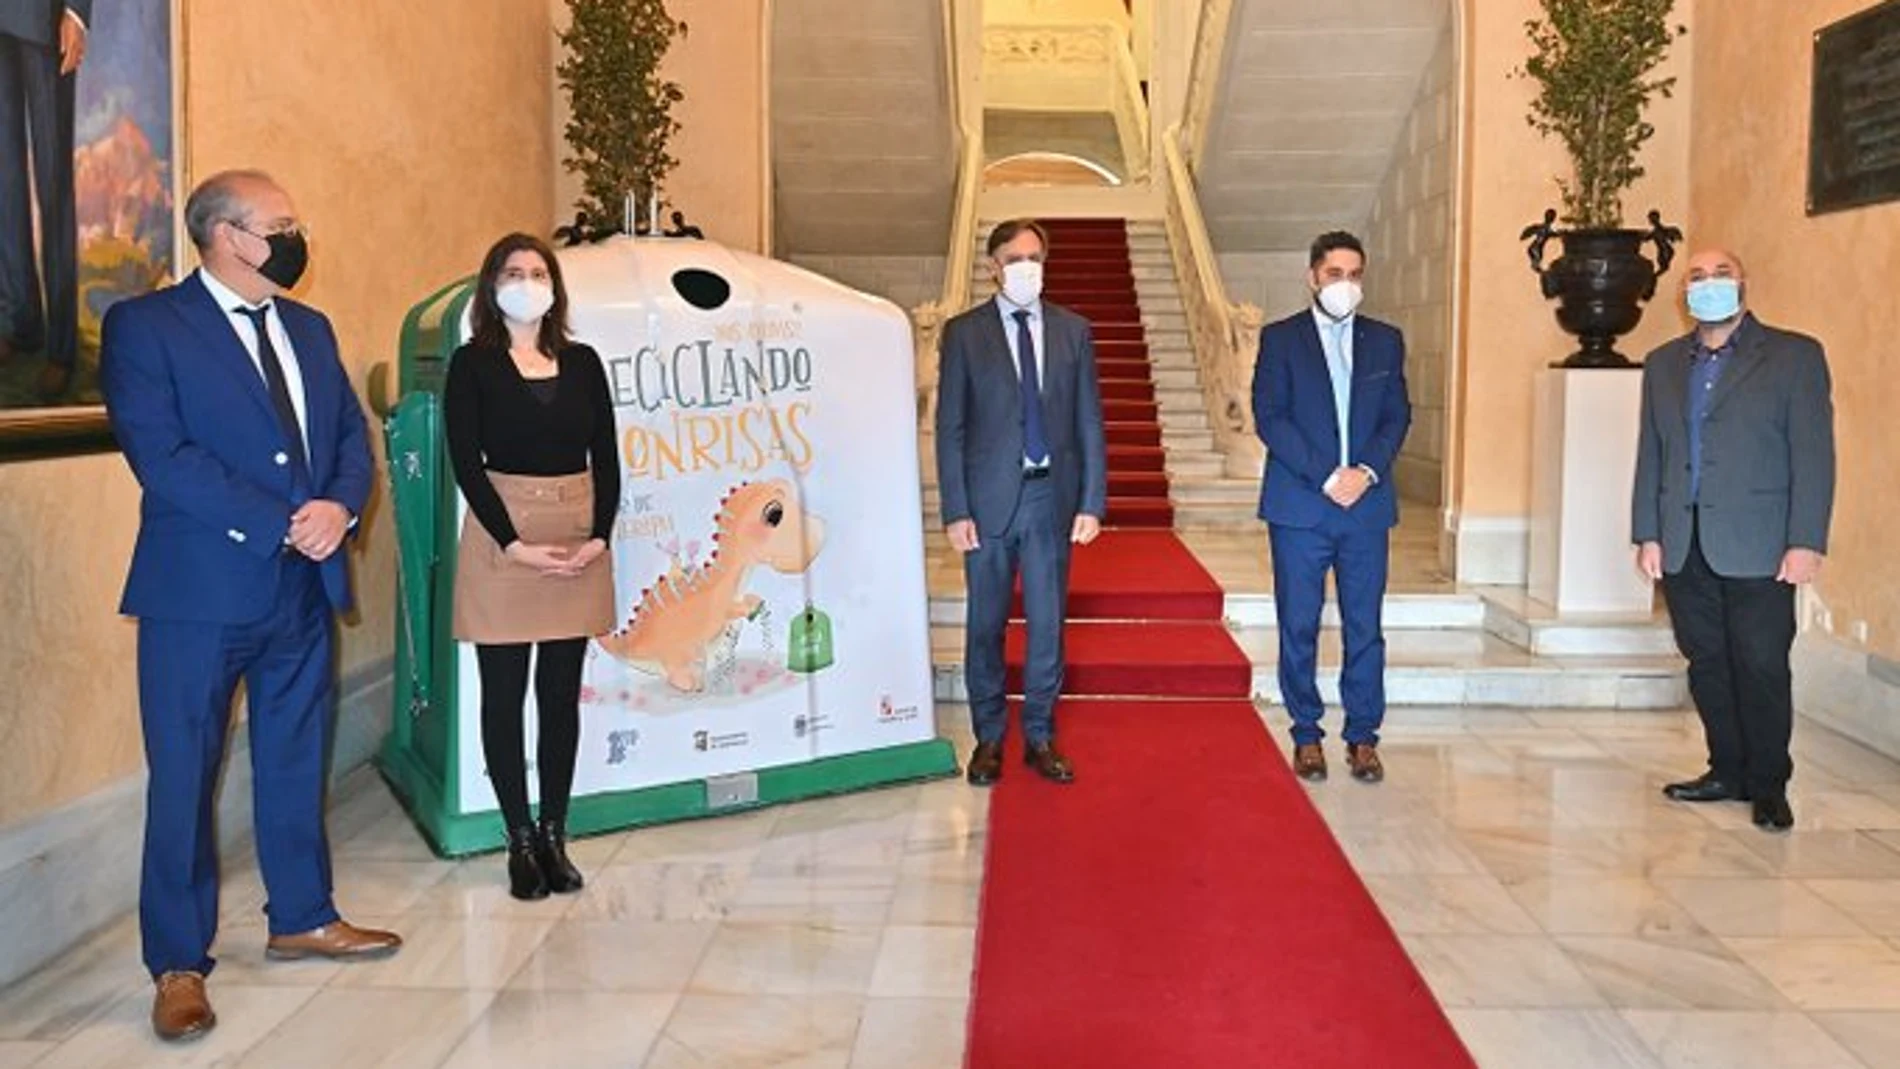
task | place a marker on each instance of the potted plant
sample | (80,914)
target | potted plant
(1593,62)
(620,108)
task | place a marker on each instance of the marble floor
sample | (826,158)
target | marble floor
(1561,910)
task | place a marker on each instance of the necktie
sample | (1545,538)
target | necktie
(279,388)
(1035,436)
(1342,388)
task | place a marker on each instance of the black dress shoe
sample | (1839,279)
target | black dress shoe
(1050,764)
(550,852)
(525,879)
(986,764)
(1772,813)
(1705,788)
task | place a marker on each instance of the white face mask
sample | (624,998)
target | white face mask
(1340,299)
(525,301)
(1022,282)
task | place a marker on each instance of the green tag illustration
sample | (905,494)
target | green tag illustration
(809,644)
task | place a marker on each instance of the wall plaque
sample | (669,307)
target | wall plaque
(1854,138)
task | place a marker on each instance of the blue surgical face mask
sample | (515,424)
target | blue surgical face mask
(1715,300)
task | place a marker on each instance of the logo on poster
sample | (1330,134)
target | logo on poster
(620,745)
(804,725)
(704,741)
(889,712)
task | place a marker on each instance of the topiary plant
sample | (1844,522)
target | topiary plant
(1591,60)
(620,108)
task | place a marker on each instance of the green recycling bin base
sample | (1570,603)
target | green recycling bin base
(773,641)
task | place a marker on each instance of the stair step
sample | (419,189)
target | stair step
(1216,518)
(1144,433)
(1510,614)
(1091,263)
(1101,315)
(1180,443)
(1423,668)
(1137,458)
(1146,512)
(1182,658)
(1196,465)
(1131,484)
(1192,421)
(1128,391)
(1118,410)
(1125,366)
(1216,490)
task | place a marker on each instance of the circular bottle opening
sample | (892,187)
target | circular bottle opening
(701,288)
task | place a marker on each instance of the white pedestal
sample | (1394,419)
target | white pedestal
(1582,462)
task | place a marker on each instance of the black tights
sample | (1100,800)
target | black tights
(557,696)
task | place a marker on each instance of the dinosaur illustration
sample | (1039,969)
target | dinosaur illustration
(688,609)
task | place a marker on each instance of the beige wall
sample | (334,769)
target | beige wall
(1509,330)
(1409,271)
(720,64)
(406,160)
(1830,275)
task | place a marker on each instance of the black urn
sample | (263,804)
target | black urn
(1601,282)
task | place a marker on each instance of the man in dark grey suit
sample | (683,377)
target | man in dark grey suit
(1022,463)
(42,43)
(1734,494)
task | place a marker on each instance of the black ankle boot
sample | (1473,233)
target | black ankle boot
(550,849)
(525,878)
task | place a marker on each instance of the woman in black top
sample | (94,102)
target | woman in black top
(531,438)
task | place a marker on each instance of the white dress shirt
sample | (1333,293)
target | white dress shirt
(1008,312)
(228,300)
(1335,341)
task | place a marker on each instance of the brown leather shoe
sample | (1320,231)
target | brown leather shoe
(1363,759)
(986,764)
(1050,764)
(338,941)
(181,1010)
(1309,762)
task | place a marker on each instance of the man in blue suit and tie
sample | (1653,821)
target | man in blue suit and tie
(238,420)
(42,43)
(1329,401)
(1022,463)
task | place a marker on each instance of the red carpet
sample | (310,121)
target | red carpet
(1182,905)
(1139,574)
(1090,273)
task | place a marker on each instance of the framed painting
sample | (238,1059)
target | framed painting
(91,201)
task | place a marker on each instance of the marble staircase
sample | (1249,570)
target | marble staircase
(1203,497)
(1446,644)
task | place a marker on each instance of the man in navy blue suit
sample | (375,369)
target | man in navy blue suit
(1022,463)
(237,417)
(1329,401)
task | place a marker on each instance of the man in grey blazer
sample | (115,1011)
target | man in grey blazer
(1734,493)
(42,43)
(1022,464)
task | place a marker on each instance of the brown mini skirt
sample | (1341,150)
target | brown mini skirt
(499,601)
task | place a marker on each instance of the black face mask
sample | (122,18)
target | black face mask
(289,255)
